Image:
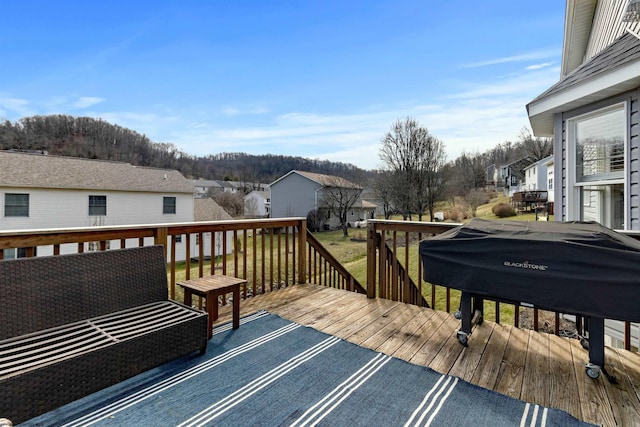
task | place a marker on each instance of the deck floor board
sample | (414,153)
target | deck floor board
(535,367)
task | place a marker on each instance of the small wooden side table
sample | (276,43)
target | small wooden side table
(211,287)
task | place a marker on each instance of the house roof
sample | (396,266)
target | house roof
(206,183)
(208,210)
(616,69)
(324,180)
(264,194)
(544,161)
(577,22)
(71,173)
(365,204)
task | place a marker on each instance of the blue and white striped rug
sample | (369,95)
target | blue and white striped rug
(272,372)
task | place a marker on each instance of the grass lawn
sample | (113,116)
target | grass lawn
(352,254)
(351,251)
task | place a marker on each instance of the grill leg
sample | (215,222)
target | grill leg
(465,309)
(465,313)
(595,326)
(596,341)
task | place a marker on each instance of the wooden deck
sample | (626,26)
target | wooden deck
(535,367)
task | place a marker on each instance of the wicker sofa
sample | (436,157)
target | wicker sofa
(73,324)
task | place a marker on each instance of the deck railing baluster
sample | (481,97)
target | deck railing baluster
(304,259)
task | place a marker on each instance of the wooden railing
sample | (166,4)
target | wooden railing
(394,271)
(324,268)
(273,253)
(269,253)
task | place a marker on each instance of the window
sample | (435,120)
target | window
(550,185)
(97,205)
(16,204)
(596,144)
(168,205)
(13,253)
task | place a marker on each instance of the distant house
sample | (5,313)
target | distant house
(257,204)
(535,175)
(40,191)
(297,193)
(511,176)
(491,177)
(205,188)
(550,179)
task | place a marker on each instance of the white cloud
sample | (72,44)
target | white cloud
(539,66)
(15,105)
(523,57)
(87,101)
(233,111)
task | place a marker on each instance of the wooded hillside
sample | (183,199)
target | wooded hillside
(90,138)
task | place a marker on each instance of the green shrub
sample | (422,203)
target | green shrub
(503,210)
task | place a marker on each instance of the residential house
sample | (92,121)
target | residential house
(550,184)
(535,175)
(491,177)
(44,192)
(592,115)
(297,193)
(204,187)
(257,204)
(511,176)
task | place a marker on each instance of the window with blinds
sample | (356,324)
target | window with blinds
(599,146)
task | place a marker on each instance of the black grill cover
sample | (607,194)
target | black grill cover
(569,267)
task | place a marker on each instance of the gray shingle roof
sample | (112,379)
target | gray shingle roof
(208,210)
(42,171)
(327,180)
(624,50)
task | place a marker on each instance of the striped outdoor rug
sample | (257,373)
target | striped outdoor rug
(272,372)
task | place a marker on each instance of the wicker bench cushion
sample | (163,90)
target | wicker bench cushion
(31,351)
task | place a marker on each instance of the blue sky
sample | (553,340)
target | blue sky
(319,79)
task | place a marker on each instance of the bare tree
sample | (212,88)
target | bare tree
(338,197)
(251,208)
(383,187)
(416,159)
(535,147)
(475,198)
(233,203)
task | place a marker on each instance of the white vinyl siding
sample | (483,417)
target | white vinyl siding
(68,208)
(608,26)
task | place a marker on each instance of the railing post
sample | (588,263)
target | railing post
(371,260)
(160,238)
(302,253)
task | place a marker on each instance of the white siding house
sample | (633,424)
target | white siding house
(257,204)
(44,192)
(535,175)
(550,180)
(592,113)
